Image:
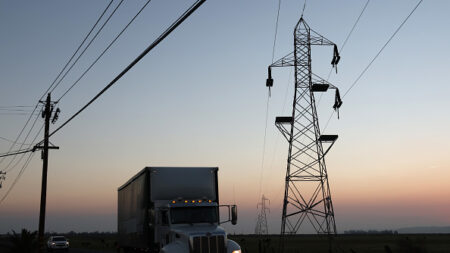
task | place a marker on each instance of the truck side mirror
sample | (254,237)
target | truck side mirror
(233,214)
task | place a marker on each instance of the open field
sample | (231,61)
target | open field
(348,243)
(413,243)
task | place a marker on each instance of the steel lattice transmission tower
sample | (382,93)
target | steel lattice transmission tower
(2,177)
(307,197)
(261,225)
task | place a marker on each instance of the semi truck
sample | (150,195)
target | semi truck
(174,209)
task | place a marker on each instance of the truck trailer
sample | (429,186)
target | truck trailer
(173,209)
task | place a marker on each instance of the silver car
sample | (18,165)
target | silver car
(57,243)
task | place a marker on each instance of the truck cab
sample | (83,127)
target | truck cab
(174,209)
(193,226)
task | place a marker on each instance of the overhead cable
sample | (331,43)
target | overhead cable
(79,47)
(276,30)
(37,104)
(376,56)
(9,152)
(145,52)
(10,141)
(17,152)
(348,36)
(382,48)
(21,145)
(22,170)
(31,147)
(104,51)
(88,45)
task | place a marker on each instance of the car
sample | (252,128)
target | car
(57,243)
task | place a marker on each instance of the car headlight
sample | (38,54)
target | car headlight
(52,243)
(237,251)
(67,243)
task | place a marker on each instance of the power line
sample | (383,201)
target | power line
(104,51)
(267,105)
(30,147)
(25,165)
(14,110)
(304,7)
(174,25)
(264,149)
(381,50)
(88,45)
(10,141)
(17,106)
(345,41)
(16,113)
(376,56)
(354,25)
(79,47)
(26,137)
(37,104)
(9,153)
(17,152)
(276,30)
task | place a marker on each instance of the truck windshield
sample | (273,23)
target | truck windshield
(199,214)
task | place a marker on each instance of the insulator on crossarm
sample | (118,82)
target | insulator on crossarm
(56,115)
(336,57)
(337,102)
(269,81)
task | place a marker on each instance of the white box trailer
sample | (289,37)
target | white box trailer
(173,209)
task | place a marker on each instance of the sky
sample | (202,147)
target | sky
(199,99)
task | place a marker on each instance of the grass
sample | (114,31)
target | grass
(429,243)
(100,242)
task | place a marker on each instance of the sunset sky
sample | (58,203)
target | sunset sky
(199,99)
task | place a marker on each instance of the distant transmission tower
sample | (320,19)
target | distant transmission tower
(307,199)
(261,225)
(2,177)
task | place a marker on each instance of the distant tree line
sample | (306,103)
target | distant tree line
(73,233)
(370,232)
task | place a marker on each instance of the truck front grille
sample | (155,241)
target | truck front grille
(209,244)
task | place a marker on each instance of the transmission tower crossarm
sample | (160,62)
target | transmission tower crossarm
(319,40)
(286,61)
(283,123)
(315,38)
(317,80)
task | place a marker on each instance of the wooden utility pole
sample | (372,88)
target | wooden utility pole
(47,113)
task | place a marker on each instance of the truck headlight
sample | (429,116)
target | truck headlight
(237,251)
